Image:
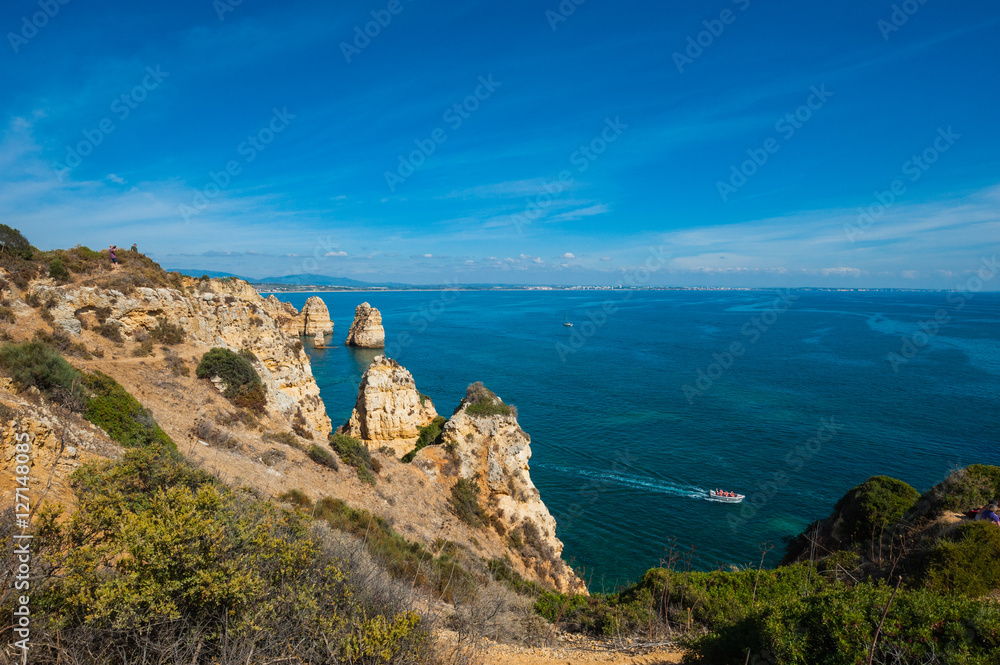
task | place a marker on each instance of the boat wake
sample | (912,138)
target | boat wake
(635,482)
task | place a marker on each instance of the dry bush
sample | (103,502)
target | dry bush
(215,436)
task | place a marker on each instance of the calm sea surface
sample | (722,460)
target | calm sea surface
(809,405)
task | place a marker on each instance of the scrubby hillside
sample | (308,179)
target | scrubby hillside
(177,415)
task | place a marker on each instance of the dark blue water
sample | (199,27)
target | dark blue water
(805,407)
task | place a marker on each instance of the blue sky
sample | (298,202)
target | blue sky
(726,142)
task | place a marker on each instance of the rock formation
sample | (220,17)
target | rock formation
(389,411)
(366,330)
(319,341)
(314,317)
(229,314)
(489,447)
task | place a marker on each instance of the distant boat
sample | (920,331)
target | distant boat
(718,496)
(566,321)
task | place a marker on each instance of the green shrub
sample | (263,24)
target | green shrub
(481,401)
(114,410)
(36,365)
(837,627)
(322,456)
(57,270)
(968,488)
(162,564)
(286,438)
(13,244)
(874,504)
(296,497)
(243,385)
(356,454)
(965,561)
(167,333)
(430,434)
(465,502)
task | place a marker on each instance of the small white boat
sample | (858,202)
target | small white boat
(567,323)
(719,496)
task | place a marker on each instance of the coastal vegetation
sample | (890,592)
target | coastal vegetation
(430,434)
(356,454)
(465,502)
(243,386)
(481,401)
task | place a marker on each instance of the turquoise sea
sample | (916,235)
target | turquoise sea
(792,398)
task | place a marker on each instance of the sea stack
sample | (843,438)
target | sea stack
(389,410)
(366,331)
(319,341)
(315,318)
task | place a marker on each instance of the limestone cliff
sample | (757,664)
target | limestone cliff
(389,410)
(487,445)
(59,443)
(212,313)
(366,330)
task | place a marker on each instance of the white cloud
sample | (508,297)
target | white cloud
(569,255)
(115,178)
(337,253)
(910,274)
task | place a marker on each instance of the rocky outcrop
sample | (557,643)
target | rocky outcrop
(319,340)
(366,330)
(59,444)
(390,410)
(229,314)
(489,447)
(312,320)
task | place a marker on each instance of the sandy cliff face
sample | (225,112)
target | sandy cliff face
(229,314)
(59,444)
(366,330)
(494,451)
(389,410)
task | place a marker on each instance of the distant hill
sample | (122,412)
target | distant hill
(300,279)
(211,273)
(318,280)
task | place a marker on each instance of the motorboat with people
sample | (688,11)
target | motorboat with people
(725,496)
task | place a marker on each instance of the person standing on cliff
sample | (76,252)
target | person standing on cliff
(114,257)
(135,248)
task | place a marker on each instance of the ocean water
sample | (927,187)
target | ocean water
(654,397)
